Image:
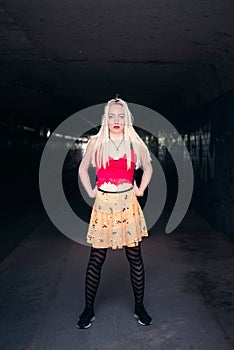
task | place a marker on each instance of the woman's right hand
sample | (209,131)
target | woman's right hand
(93,193)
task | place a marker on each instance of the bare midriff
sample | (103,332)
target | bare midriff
(108,186)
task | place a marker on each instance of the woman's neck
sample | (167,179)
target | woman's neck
(116,136)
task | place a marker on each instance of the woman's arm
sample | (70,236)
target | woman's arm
(146,177)
(83,170)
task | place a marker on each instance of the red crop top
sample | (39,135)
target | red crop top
(116,172)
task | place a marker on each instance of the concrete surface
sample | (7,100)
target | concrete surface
(42,293)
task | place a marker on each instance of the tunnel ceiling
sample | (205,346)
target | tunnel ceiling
(60,56)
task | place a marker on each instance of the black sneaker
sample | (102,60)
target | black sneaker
(86,318)
(142,316)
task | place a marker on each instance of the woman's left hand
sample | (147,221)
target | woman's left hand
(138,192)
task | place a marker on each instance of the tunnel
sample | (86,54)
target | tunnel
(170,60)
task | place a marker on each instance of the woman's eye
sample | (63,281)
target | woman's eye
(122,116)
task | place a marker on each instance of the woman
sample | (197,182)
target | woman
(117,220)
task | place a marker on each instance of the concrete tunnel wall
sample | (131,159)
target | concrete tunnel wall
(209,131)
(208,135)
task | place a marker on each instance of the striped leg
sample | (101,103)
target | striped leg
(93,274)
(137,273)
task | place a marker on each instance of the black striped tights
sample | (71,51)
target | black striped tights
(94,268)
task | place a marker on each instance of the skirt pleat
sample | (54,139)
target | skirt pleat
(116,220)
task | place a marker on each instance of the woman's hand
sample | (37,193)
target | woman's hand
(93,193)
(138,192)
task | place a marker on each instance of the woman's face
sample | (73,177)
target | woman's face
(116,120)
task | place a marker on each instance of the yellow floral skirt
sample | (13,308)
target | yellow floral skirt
(116,220)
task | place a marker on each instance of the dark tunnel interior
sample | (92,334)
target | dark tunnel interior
(44,81)
(61,58)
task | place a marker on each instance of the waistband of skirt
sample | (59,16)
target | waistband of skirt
(129,189)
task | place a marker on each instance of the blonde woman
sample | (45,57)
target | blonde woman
(116,220)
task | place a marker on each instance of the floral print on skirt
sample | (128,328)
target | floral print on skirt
(116,220)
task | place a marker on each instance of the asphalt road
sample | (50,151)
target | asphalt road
(42,294)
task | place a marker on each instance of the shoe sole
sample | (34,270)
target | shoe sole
(89,325)
(141,323)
